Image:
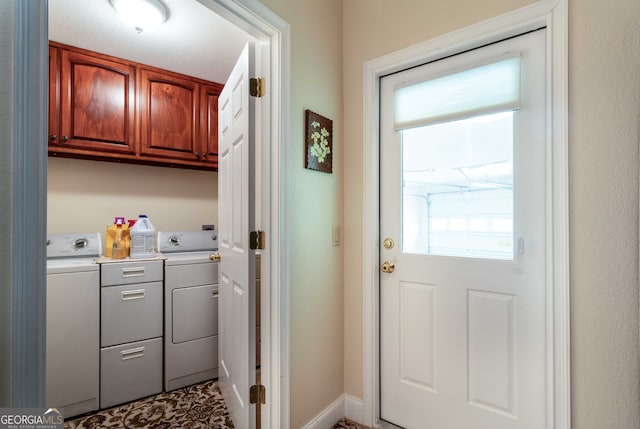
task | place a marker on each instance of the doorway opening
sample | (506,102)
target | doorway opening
(269,28)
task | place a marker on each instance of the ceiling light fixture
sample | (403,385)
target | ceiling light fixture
(143,15)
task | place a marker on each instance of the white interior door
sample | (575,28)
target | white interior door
(236,207)
(463,330)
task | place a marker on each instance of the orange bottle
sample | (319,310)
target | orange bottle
(119,246)
(111,236)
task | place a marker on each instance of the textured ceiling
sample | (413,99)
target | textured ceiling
(194,40)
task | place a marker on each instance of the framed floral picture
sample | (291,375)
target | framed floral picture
(318,142)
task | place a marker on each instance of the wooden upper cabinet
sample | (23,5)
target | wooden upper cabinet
(209,121)
(169,106)
(111,109)
(97,103)
(54,95)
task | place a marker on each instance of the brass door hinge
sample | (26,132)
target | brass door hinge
(257,240)
(257,394)
(257,86)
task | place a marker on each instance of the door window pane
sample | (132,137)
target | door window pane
(458,187)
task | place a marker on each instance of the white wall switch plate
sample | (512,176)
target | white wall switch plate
(335,236)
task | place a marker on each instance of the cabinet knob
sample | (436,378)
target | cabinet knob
(65,138)
(197,154)
(53,137)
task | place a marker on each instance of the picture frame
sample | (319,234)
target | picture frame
(318,142)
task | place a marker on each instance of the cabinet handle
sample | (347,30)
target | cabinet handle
(214,293)
(133,272)
(53,137)
(65,138)
(132,353)
(128,295)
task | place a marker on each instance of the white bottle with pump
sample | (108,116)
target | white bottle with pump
(143,239)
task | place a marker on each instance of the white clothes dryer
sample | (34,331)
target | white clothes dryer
(191,307)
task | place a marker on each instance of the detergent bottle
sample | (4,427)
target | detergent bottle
(143,238)
(111,236)
(119,247)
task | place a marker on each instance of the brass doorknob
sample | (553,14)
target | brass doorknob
(388,267)
(215,257)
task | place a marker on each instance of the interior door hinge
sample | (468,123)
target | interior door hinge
(258,394)
(257,240)
(257,86)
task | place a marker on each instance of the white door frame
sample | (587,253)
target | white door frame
(29,187)
(551,14)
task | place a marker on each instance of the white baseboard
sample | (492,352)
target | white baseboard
(345,406)
(353,408)
(329,417)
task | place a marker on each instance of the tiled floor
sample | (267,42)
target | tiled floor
(347,424)
(194,407)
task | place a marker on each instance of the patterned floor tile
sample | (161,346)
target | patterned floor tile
(194,407)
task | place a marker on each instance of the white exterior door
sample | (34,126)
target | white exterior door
(236,209)
(463,305)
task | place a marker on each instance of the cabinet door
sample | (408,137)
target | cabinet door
(54,95)
(209,122)
(97,103)
(169,116)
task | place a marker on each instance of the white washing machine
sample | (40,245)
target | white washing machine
(73,322)
(191,307)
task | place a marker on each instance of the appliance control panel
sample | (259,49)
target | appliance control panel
(187,241)
(74,245)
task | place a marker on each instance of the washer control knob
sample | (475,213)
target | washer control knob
(80,243)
